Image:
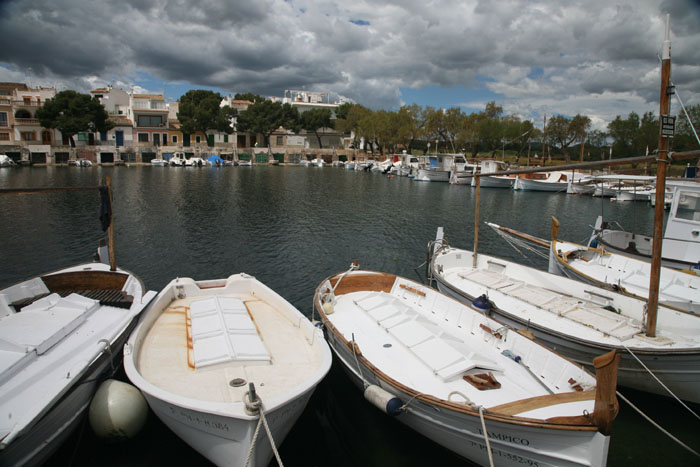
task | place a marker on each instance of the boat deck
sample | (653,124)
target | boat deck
(177,355)
(435,345)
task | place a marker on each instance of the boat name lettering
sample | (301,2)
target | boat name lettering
(506,455)
(507,438)
(211,424)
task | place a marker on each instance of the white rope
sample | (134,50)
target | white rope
(661,383)
(359,369)
(257,405)
(486,435)
(657,425)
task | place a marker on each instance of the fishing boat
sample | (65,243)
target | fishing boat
(217,358)
(556,181)
(6,161)
(681,241)
(439,167)
(61,335)
(159,162)
(245,163)
(493,181)
(318,162)
(463,380)
(577,319)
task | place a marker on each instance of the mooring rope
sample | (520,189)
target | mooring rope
(253,406)
(486,435)
(681,443)
(661,383)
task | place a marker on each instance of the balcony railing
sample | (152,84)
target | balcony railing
(21,103)
(26,121)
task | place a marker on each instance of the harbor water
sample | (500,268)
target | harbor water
(291,227)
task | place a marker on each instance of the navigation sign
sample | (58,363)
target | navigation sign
(668,126)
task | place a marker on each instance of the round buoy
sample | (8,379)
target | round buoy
(328,308)
(482,304)
(118,411)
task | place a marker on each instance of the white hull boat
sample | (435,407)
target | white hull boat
(554,182)
(318,162)
(581,188)
(580,320)
(243,163)
(626,274)
(216,358)
(159,162)
(450,373)
(494,182)
(432,175)
(6,161)
(61,335)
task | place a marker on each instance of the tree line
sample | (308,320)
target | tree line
(411,128)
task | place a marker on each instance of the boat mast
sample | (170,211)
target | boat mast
(662,161)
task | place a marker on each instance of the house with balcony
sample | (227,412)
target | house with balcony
(21,136)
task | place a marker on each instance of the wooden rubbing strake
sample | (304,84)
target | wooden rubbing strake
(411,289)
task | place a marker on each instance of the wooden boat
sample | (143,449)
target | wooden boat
(553,182)
(579,320)
(461,378)
(61,335)
(495,181)
(215,358)
(624,273)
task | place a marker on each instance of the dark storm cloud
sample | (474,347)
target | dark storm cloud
(592,54)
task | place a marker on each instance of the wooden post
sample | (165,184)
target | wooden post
(476,218)
(555,228)
(110,230)
(662,160)
(606,405)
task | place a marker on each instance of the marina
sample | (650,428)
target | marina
(291,227)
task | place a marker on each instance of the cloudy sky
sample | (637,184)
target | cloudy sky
(533,57)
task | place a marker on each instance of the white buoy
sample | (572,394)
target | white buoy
(118,411)
(328,308)
(383,400)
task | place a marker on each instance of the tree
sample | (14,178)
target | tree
(200,110)
(685,139)
(248,96)
(71,112)
(315,119)
(348,119)
(266,116)
(562,132)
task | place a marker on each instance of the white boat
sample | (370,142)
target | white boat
(245,163)
(350,165)
(61,335)
(6,161)
(452,374)
(338,163)
(494,181)
(579,320)
(215,358)
(304,162)
(626,274)
(195,162)
(158,162)
(439,167)
(177,160)
(583,186)
(81,163)
(681,242)
(553,182)
(318,162)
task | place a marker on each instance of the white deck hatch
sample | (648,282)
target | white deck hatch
(223,331)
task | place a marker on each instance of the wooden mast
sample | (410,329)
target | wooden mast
(662,161)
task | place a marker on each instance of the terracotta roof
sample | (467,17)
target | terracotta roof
(99,90)
(120,120)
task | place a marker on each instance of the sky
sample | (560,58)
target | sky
(532,57)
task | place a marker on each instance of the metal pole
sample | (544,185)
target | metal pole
(662,160)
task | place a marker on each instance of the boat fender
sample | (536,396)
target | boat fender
(482,304)
(117,411)
(383,400)
(328,308)
(511,355)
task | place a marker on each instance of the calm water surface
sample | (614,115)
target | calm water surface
(291,227)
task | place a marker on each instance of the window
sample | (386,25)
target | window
(165,139)
(688,206)
(4,137)
(3,118)
(197,139)
(27,100)
(150,120)
(82,137)
(27,136)
(280,140)
(143,137)
(174,139)
(225,138)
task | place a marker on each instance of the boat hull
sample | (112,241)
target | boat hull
(463,434)
(426,175)
(494,182)
(677,368)
(527,184)
(227,440)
